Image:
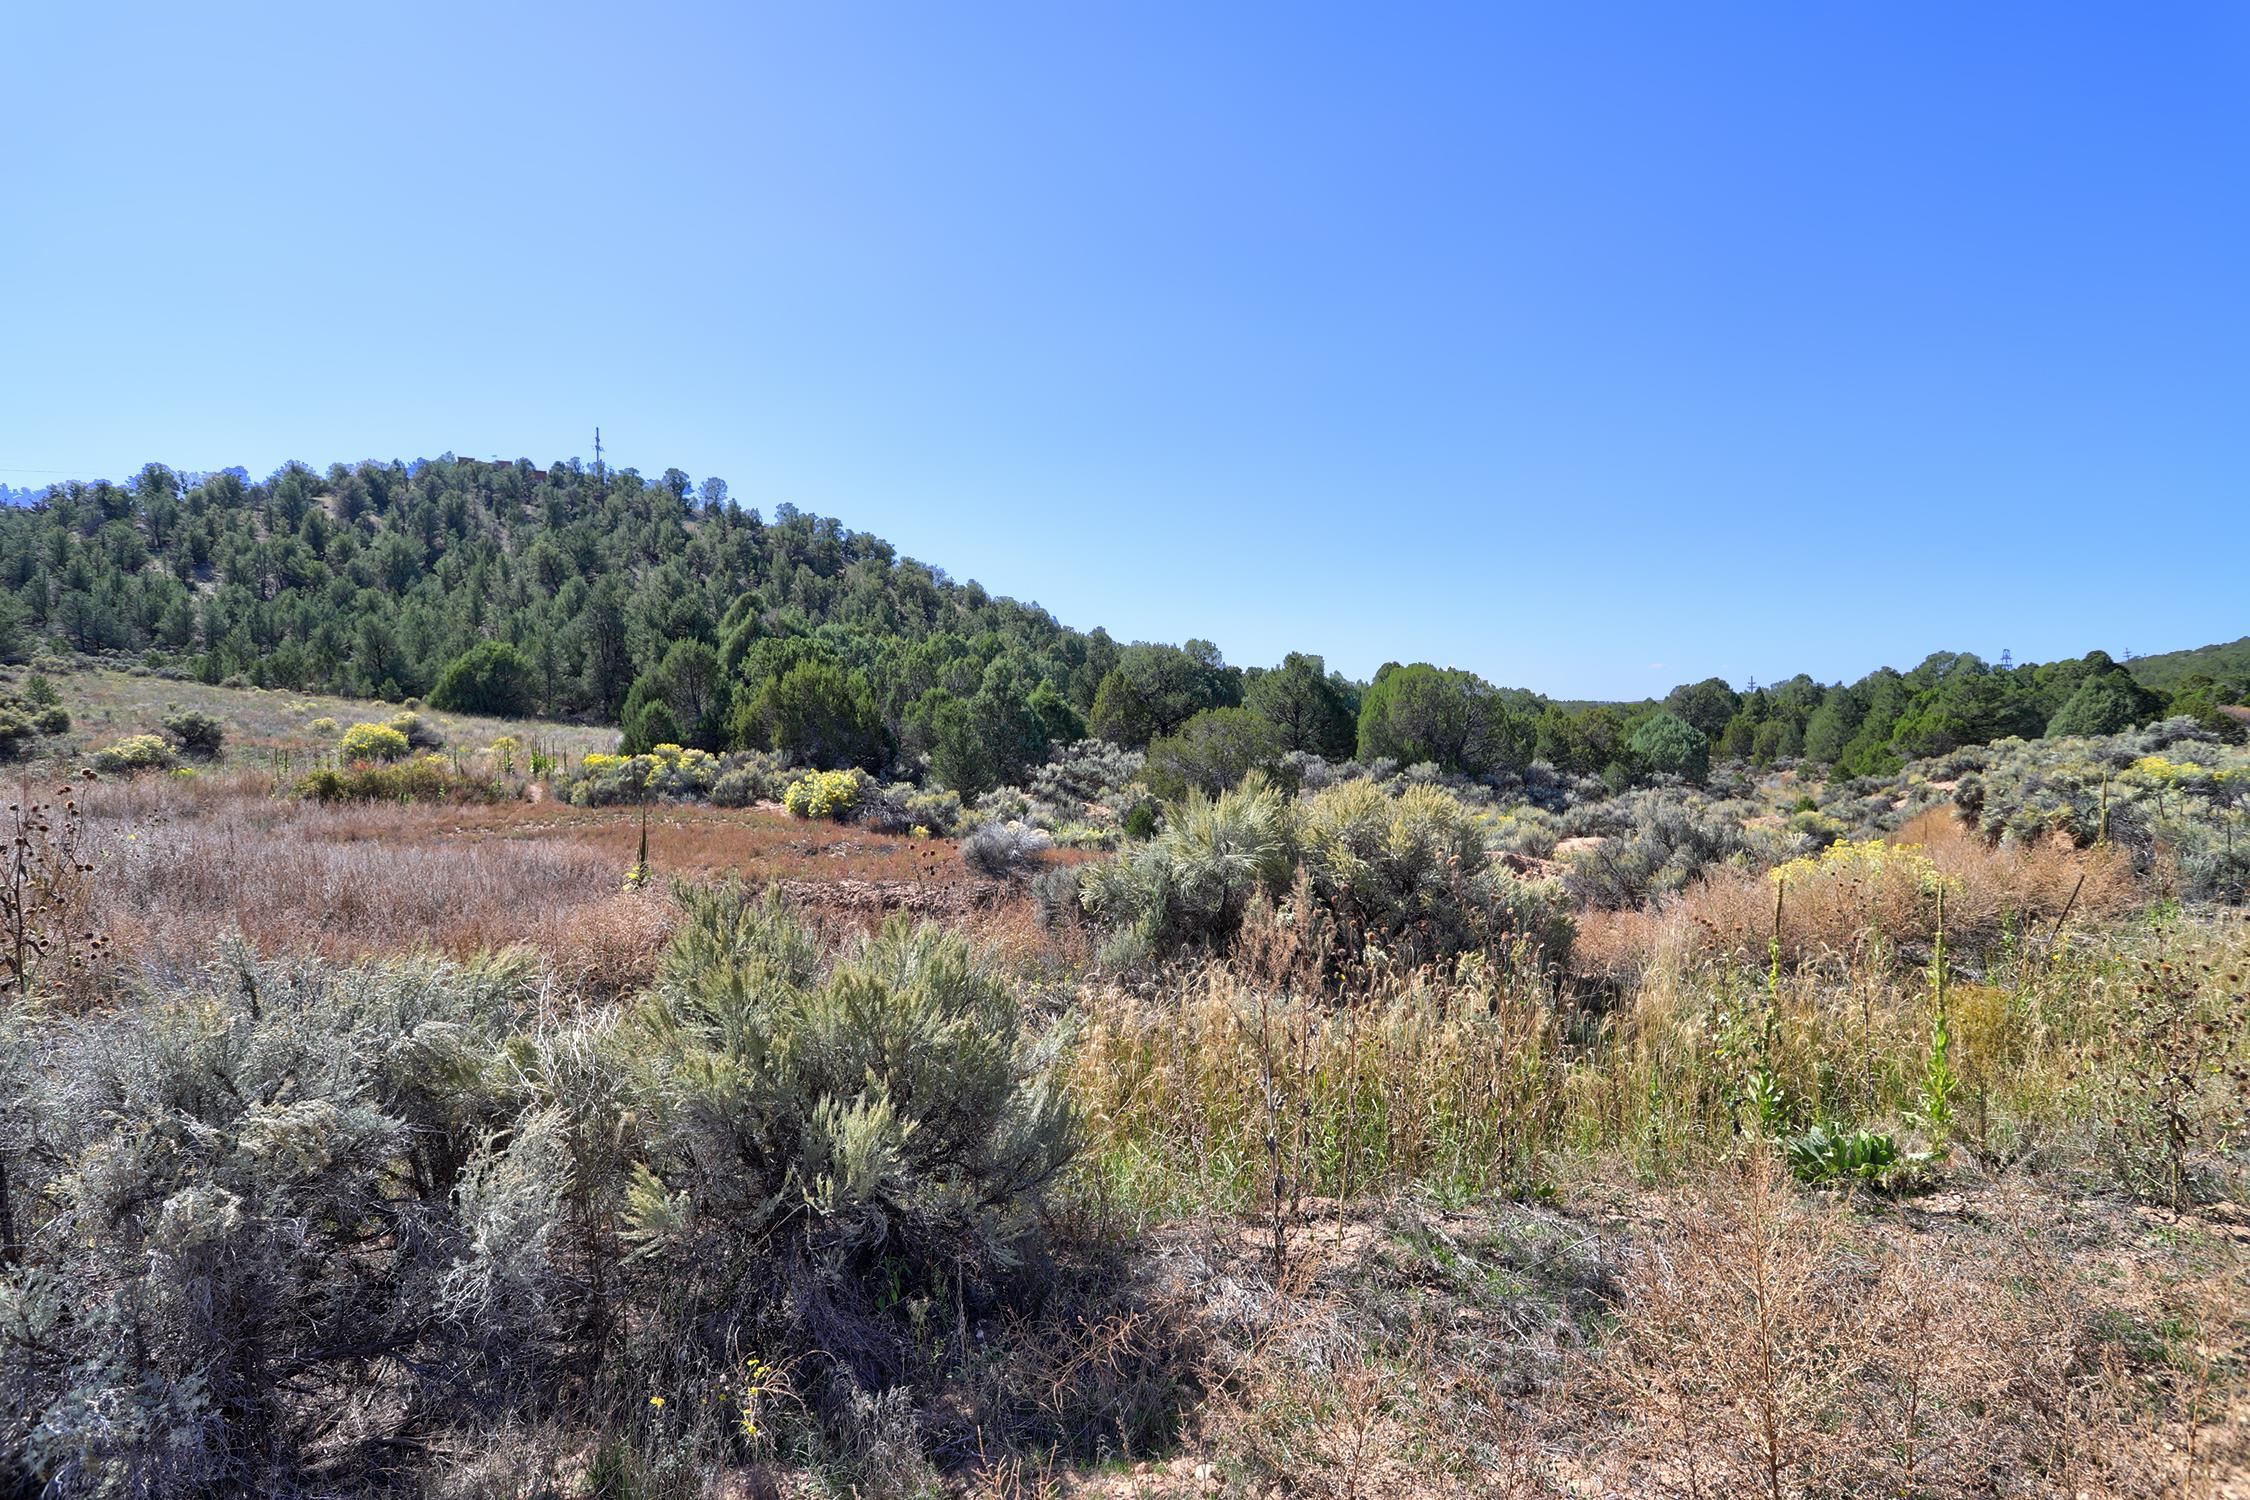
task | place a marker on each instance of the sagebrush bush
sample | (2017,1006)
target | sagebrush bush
(828,1155)
(1054,896)
(277,1222)
(1091,778)
(900,807)
(748,776)
(25,718)
(1402,876)
(281,1225)
(420,733)
(1192,882)
(1656,843)
(662,773)
(1411,875)
(1000,851)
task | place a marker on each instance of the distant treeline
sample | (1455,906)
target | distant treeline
(665,606)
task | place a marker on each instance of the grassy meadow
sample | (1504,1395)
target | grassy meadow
(267,727)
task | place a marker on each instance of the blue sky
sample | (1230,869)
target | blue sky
(1595,348)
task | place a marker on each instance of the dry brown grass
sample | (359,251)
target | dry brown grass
(610,949)
(1734,1338)
(182,862)
(1838,915)
(1773,1345)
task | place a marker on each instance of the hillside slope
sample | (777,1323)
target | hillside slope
(2167,670)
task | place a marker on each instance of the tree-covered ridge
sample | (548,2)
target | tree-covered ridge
(667,607)
(2170,671)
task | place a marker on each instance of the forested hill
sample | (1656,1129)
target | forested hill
(372,580)
(571,592)
(665,606)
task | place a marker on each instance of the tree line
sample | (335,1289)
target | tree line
(667,607)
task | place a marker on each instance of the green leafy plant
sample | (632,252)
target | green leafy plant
(1830,1154)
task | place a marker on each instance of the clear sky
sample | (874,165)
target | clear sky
(1593,347)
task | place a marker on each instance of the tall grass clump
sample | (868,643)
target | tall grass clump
(1215,1090)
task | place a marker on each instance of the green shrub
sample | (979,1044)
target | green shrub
(16,730)
(197,734)
(491,677)
(1669,745)
(323,726)
(375,742)
(1212,752)
(425,778)
(133,754)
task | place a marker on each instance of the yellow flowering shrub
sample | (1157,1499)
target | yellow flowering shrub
(1865,860)
(823,794)
(377,742)
(2158,769)
(135,752)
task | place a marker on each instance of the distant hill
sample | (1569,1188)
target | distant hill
(2167,670)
